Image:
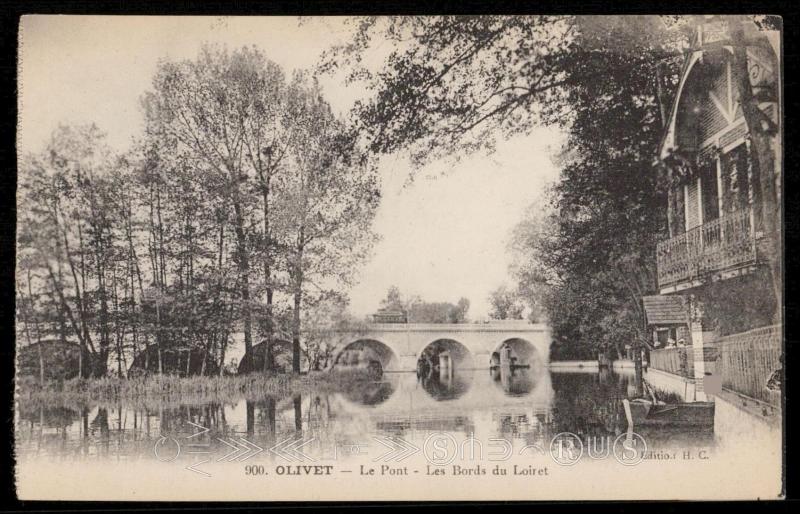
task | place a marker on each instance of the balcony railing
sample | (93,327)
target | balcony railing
(724,243)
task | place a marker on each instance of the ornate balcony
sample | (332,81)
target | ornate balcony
(724,244)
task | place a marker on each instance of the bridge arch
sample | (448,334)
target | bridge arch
(515,352)
(509,365)
(278,355)
(366,353)
(446,352)
(445,368)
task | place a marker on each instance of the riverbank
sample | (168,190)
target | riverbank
(589,365)
(197,389)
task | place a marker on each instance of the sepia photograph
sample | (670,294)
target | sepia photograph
(368,258)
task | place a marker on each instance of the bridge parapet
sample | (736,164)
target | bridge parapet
(496,326)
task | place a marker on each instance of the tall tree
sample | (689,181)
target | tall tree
(327,199)
(222,114)
(65,225)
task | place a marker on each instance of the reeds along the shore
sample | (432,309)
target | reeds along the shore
(197,389)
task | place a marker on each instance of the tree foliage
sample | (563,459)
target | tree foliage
(452,85)
(419,311)
(506,304)
(244,200)
(326,202)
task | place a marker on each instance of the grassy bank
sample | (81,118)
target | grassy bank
(189,390)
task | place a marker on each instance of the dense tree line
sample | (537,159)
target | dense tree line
(244,207)
(588,254)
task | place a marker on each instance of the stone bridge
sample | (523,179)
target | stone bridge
(405,346)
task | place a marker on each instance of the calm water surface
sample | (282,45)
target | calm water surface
(524,407)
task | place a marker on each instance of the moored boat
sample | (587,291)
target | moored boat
(646,413)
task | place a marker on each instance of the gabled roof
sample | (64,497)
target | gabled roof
(665,310)
(692,56)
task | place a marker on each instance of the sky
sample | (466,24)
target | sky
(443,236)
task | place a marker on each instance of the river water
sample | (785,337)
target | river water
(398,425)
(517,407)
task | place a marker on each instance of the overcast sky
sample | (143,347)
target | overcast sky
(443,237)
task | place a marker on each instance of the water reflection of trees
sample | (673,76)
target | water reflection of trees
(265,416)
(50,417)
(589,404)
(370,393)
(175,418)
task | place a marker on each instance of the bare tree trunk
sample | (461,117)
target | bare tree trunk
(33,308)
(59,290)
(41,365)
(298,301)
(82,307)
(119,332)
(101,364)
(298,297)
(134,317)
(268,279)
(222,347)
(223,336)
(25,315)
(133,267)
(206,349)
(155,265)
(762,161)
(244,275)
(82,333)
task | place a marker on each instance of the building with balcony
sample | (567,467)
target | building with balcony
(717,255)
(714,207)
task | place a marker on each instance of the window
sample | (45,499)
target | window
(692,204)
(734,175)
(708,186)
(663,335)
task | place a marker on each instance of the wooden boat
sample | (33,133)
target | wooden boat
(642,412)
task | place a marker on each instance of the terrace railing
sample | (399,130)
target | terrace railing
(748,360)
(724,243)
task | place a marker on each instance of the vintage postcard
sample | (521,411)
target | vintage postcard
(399,258)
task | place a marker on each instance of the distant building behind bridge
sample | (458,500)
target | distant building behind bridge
(389,316)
